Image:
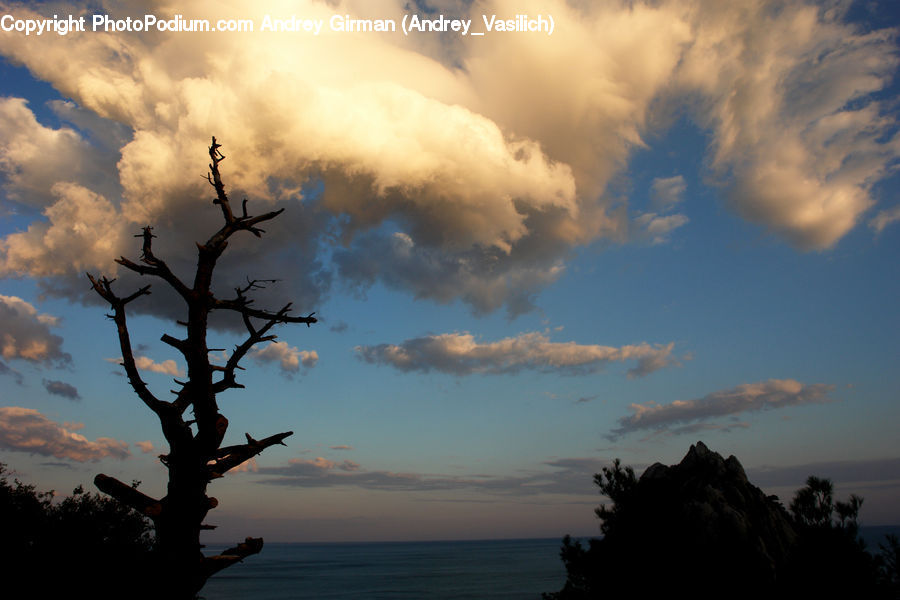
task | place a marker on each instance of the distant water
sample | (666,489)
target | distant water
(466,570)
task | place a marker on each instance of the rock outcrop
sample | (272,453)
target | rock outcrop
(704,511)
(698,528)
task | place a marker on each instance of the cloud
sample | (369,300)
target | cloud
(453,169)
(146,446)
(884,218)
(6,370)
(82,230)
(248,466)
(840,471)
(560,476)
(460,354)
(748,397)
(33,157)
(657,227)
(144,363)
(60,388)
(339,327)
(341,447)
(798,140)
(25,334)
(289,358)
(27,430)
(667,192)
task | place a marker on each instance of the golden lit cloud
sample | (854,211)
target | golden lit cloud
(25,334)
(748,397)
(451,169)
(144,363)
(27,430)
(461,354)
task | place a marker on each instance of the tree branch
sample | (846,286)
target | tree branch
(281,316)
(128,495)
(232,223)
(230,457)
(214,564)
(103,287)
(155,266)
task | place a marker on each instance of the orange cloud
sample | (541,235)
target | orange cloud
(27,430)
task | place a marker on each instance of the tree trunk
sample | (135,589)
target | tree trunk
(181,569)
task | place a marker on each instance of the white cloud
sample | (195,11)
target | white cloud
(656,227)
(144,363)
(33,157)
(27,430)
(797,141)
(461,354)
(748,397)
(884,218)
(25,334)
(667,192)
(288,357)
(492,159)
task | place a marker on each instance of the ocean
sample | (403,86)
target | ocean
(457,570)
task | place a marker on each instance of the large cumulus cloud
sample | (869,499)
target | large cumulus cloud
(444,168)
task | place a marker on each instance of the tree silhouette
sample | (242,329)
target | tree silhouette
(195,456)
(829,558)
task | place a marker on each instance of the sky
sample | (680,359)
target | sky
(530,252)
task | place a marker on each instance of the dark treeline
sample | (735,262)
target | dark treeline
(701,528)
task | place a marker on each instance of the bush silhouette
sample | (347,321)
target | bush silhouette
(76,543)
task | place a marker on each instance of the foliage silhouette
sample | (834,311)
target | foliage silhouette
(701,528)
(70,545)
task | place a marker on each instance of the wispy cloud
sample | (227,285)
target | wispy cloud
(461,354)
(749,397)
(885,218)
(667,192)
(25,334)
(7,370)
(27,430)
(841,471)
(559,476)
(289,358)
(60,388)
(656,227)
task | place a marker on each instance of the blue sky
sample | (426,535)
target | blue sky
(530,254)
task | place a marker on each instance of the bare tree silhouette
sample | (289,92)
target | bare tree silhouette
(195,457)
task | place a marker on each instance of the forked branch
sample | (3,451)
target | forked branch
(103,287)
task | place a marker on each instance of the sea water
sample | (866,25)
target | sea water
(456,570)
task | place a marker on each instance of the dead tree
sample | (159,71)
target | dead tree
(195,456)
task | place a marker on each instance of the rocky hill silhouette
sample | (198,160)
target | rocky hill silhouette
(700,527)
